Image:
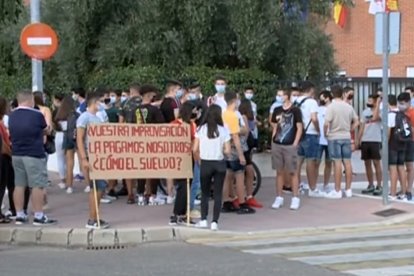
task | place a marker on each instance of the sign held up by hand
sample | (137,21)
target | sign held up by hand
(131,151)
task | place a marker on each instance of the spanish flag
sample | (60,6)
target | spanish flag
(340,14)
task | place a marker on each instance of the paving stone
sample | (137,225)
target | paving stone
(105,237)
(129,236)
(27,235)
(55,236)
(80,237)
(158,234)
(6,234)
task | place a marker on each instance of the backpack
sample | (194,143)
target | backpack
(71,127)
(299,105)
(402,131)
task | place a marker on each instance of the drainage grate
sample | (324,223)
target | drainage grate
(389,212)
(98,248)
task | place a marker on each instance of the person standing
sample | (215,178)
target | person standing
(27,128)
(340,120)
(220,85)
(287,131)
(370,138)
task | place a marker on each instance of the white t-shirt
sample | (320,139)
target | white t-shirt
(392,115)
(212,149)
(6,121)
(308,107)
(321,118)
(220,102)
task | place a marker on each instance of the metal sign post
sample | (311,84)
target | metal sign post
(37,66)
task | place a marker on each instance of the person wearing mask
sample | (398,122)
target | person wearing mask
(308,147)
(246,110)
(149,114)
(404,105)
(170,108)
(287,131)
(82,124)
(79,95)
(410,90)
(211,145)
(249,95)
(340,120)
(188,113)
(113,103)
(276,103)
(220,85)
(124,97)
(27,128)
(370,138)
(128,114)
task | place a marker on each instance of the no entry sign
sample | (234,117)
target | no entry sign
(39,41)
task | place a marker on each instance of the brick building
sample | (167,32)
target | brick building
(354,44)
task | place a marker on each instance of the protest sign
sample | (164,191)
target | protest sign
(134,151)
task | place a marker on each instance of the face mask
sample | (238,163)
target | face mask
(322,102)
(294,98)
(192,97)
(248,96)
(180,93)
(101,107)
(75,97)
(350,97)
(279,99)
(370,105)
(107,101)
(402,107)
(113,99)
(220,88)
(412,102)
(193,116)
(124,98)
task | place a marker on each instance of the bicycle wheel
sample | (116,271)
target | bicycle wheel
(257,179)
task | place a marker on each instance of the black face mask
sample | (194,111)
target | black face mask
(350,97)
(322,102)
(193,116)
(370,105)
(107,101)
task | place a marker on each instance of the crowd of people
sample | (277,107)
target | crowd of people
(306,127)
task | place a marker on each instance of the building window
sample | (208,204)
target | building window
(410,72)
(376,73)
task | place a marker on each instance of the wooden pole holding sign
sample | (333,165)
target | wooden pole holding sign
(95,195)
(188,202)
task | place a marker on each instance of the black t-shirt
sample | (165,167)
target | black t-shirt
(167,108)
(201,106)
(128,110)
(149,114)
(286,121)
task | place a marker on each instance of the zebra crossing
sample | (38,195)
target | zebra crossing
(373,252)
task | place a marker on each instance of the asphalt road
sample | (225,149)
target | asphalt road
(149,259)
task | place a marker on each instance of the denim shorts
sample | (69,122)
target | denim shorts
(235,166)
(100,185)
(309,147)
(323,149)
(340,149)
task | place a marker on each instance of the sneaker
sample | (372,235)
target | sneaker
(378,191)
(170,200)
(183,220)
(112,198)
(214,226)
(131,200)
(79,177)
(22,220)
(295,203)
(87,189)
(122,192)
(304,186)
(10,215)
(278,202)
(228,207)
(93,224)
(69,190)
(348,193)
(44,221)
(409,196)
(245,209)
(105,200)
(202,224)
(402,197)
(326,189)
(316,193)
(334,195)
(61,185)
(369,190)
(390,197)
(141,200)
(236,203)
(173,221)
(252,202)
(152,201)
(113,194)
(197,202)
(195,214)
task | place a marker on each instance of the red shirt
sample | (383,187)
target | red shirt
(4,134)
(410,115)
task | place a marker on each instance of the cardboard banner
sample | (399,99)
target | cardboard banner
(131,151)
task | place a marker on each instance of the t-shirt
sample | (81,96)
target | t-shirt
(149,114)
(212,149)
(274,106)
(26,126)
(4,134)
(128,110)
(201,106)
(372,130)
(321,119)
(84,120)
(233,120)
(220,102)
(6,121)
(112,114)
(410,115)
(340,116)
(308,107)
(286,120)
(82,107)
(392,121)
(169,107)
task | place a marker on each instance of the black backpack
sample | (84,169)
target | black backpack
(299,105)
(402,131)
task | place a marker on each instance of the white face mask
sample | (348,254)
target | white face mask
(293,99)
(123,98)
(248,96)
(279,99)
(220,88)
(113,99)
(75,97)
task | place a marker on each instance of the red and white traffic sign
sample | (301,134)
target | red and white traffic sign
(39,41)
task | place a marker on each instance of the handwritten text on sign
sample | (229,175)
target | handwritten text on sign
(131,151)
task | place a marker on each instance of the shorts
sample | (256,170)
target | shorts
(235,166)
(371,151)
(396,157)
(409,152)
(284,157)
(248,157)
(101,185)
(340,149)
(68,143)
(308,147)
(321,150)
(30,172)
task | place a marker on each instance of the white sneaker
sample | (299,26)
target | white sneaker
(202,224)
(112,198)
(105,200)
(402,197)
(348,193)
(278,202)
(61,185)
(141,201)
(155,201)
(214,226)
(304,186)
(295,203)
(327,189)
(170,200)
(390,197)
(316,193)
(197,202)
(87,189)
(334,194)
(69,190)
